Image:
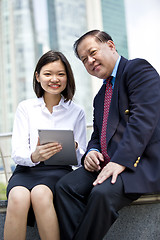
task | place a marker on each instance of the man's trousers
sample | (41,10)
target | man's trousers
(86,212)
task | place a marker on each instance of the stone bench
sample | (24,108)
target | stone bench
(138,221)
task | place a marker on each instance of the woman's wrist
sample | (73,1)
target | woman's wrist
(33,159)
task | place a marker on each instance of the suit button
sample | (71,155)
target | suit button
(135,165)
(137,161)
(138,158)
(126,112)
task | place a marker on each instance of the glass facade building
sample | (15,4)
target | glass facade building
(17,51)
(68,21)
(23,41)
(114,23)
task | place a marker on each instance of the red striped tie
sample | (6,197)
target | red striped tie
(107,101)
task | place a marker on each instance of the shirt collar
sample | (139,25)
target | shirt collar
(116,67)
(114,72)
(40,102)
(63,103)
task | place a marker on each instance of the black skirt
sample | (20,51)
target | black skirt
(29,177)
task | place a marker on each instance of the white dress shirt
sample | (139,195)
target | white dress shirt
(32,115)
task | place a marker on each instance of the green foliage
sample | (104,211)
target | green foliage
(3,191)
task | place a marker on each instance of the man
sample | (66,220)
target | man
(122,160)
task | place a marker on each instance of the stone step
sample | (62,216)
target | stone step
(139,221)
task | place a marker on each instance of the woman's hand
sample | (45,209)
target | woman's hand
(45,151)
(76,145)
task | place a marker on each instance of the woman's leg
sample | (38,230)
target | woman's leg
(17,212)
(42,203)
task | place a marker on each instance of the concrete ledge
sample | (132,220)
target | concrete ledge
(139,221)
(148,198)
(3,206)
(136,222)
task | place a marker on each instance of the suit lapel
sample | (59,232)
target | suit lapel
(113,118)
(100,105)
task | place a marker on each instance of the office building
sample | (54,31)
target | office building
(17,51)
(67,20)
(114,23)
(23,41)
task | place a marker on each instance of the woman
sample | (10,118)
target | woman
(30,191)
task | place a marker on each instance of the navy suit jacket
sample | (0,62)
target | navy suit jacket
(133,128)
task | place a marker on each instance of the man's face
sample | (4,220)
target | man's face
(98,58)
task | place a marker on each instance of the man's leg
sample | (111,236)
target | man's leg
(71,197)
(104,202)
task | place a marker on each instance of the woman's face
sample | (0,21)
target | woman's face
(53,77)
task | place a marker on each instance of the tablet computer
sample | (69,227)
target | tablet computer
(67,156)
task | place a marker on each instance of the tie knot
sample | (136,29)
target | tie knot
(109,79)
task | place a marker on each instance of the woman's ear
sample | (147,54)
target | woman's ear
(37,76)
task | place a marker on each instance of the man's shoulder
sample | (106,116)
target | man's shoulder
(133,61)
(137,62)
(134,65)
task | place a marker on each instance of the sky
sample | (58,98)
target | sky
(143,28)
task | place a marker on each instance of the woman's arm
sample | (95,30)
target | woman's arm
(21,149)
(80,135)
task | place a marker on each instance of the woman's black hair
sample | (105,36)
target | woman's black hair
(49,57)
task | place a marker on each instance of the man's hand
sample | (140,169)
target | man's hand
(92,161)
(111,169)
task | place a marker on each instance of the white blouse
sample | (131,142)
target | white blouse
(32,115)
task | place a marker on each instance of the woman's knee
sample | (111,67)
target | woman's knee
(41,195)
(19,199)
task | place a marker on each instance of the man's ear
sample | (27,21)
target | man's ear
(110,43)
